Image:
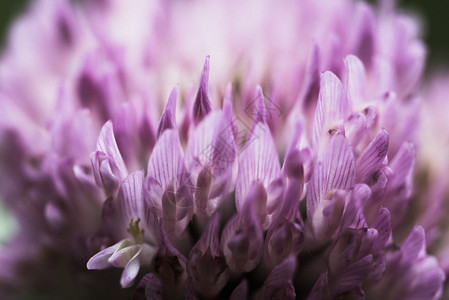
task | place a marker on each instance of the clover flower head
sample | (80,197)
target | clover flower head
(283,169)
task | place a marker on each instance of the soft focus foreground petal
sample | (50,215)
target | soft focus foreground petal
(168,118)
(355,81)
(134,131)
(202,105)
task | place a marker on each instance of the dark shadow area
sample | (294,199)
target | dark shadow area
(9,10)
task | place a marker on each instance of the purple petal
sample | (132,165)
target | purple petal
(100,260)
(200,148)
(353,216)
(242,241)
(177,208)
(260,162)
(355,81)
(283,239)
(202,105)
(130,197)
(123,255)
(334,170)
(312,80)
(149,287)
(170,267)
(356,129)
(353,276)
(108,164)
(402,164)
(166,163)
(366,38)
(278,283)
(130,271)
(207,265)
(320,289)
(414,245)
(260,112)
(382,224)
(240,292)
(332,107)
(372,158)
(152,287)
(168,118)
(344,251)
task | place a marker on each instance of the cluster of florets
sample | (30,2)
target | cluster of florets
(278,181)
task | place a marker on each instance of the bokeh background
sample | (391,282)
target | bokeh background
(434,14)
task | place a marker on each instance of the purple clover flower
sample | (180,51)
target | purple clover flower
(285,172)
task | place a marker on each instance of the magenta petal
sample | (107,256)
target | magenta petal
(168,118)
(332,107)
(372,158)
(202,105)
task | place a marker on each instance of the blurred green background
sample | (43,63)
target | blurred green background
(434,13)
